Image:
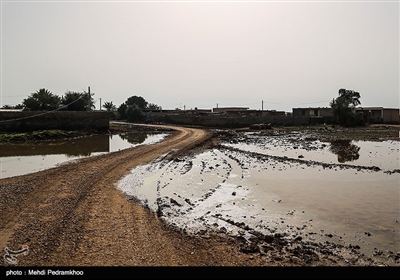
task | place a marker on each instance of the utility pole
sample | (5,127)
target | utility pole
(262,105)
(88,100)
(100,104)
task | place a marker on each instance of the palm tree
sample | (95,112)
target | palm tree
(42,100)
(109,106)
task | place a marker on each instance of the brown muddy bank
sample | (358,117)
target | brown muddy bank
(74,215)
(233,192)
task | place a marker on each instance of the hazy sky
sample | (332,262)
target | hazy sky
(187,54)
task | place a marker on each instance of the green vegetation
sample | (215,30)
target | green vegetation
(343,108)
(109,106)
(78,101)
(37,135)
(18,106)
(42,100)
(45,100)
(134,113)
(132,109)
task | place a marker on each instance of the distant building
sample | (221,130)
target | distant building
(317,115)
(379,114)
(196,111)
(370,114)
(230,109)
(244,111)
(266,113)
(313,112)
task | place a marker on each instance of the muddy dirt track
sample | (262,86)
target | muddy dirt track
(73,215)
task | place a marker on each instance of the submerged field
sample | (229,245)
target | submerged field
(335,193)
(277,197)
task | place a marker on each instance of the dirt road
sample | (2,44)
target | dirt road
(73,215)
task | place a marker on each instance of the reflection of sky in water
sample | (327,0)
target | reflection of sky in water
(119,143)
(272,196)
(384,155)
(49,154)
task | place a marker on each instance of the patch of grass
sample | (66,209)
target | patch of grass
(9,137)
(36,135)
(55,133)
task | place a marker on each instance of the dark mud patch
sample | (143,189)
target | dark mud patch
(203,197)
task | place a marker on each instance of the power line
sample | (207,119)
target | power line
(48,112)
(297,103)
(262,102)
(278,103)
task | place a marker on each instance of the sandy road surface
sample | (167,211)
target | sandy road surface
(73,215)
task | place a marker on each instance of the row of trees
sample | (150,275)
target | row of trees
(132,109)
(45,100)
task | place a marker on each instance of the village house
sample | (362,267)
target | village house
(316,114)
(370,114)
(379,115)
(313,112)
(196,111)
(243,111)
(231,110)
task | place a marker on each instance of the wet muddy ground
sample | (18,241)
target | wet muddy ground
(333,194)
(19,158)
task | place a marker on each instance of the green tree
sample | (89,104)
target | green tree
(152,106)
(109,106)
(134,138)
(134,113)
(42,100)
(122,111)
(137,100)
(78,101)
(140,103)
(18,106)
(344,107)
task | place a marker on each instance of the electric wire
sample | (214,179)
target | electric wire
(41,114)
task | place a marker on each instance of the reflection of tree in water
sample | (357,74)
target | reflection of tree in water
(134,138)
(345,150)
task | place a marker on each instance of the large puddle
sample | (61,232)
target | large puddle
(23,158)
(383,154)
(321,191)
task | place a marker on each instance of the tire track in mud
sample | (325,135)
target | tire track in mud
(51,210)
(296,245)
(187,166)
(263,157)
(84,220)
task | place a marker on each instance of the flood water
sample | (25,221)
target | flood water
(23,158)
(289,186)
(292,184)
